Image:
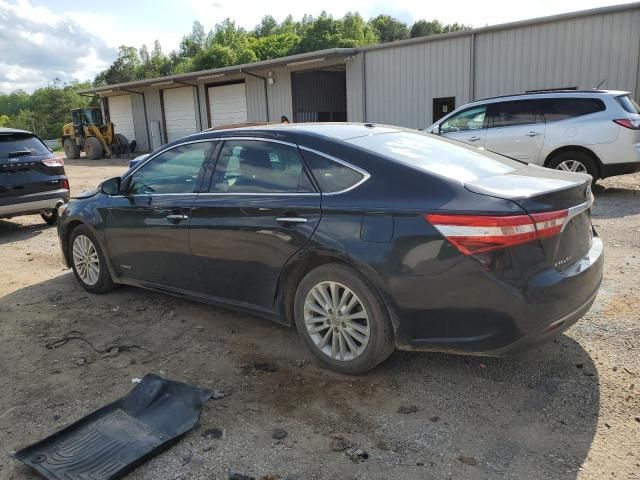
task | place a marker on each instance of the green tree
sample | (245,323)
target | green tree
(389,29)
(194,43)
(423,28)
(274,46)
(123,69)
(267,26)
(4,120)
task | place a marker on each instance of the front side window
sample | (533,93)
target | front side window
(471,119)
(255,166)
(509,114)
(175,171)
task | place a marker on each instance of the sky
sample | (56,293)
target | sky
(74,40)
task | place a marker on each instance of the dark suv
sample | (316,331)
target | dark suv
(32,179)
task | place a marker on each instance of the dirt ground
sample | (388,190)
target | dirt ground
(569,409)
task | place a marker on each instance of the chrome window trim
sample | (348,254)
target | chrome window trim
(365,175)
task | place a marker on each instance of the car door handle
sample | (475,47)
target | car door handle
(474,139)
(291,220)
(177,217)
(533,134)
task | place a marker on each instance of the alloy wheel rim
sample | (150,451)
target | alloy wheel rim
(572,166)
(336,321)
(86,260)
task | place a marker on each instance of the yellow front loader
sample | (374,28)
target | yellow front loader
(87,132)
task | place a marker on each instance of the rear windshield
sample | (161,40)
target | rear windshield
(15,145)
(628,103)
(435,155)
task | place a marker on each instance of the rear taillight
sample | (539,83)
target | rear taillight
(54,162)
(65,184)
(482,233)
(632,123)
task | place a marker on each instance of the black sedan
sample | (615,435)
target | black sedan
(367,238)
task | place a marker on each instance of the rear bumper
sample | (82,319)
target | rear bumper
(33,203)
(613,169)
(488,317)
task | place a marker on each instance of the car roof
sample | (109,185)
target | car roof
(13,130)
(297,131)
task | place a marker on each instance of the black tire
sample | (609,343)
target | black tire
(71,149)
(93,148)
(50,216)
(104,283)
(583,158)
(381,341)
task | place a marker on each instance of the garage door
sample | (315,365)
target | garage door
(227,104)
(121,115)
(179,112)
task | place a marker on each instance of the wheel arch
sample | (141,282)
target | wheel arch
(301,264)
(574,148)
(65,235)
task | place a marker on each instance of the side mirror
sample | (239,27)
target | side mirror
(436,130)
(111,186)
(50,149)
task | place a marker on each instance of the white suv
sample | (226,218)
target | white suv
(596,131)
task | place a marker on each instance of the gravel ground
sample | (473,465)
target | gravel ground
(569,409)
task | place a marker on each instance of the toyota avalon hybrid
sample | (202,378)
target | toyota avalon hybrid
(367,238)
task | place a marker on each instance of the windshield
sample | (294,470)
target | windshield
(21,144)
(437,156)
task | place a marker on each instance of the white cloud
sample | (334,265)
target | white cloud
(38,46)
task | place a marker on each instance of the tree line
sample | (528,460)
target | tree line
(47,109)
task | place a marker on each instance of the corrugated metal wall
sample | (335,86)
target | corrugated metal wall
(355,88)
(402,81)
(580,52)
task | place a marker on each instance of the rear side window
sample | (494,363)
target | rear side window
(509,114)
(555,109)
(434,155)
(628,103)
(255,166)
(18,145)
(331,176)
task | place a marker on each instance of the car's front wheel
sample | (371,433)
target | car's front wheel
(88,262)
(342,320)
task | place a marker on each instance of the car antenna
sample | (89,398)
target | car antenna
(600,84)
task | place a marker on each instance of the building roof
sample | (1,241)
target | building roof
(297,59)
(310,57)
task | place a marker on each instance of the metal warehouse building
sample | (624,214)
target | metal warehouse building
(410,82)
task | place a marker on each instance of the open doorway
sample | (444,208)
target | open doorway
(320,95)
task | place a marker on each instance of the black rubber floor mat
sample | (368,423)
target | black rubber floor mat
(112,441)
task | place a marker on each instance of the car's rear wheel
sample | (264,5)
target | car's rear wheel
(88,262)
(93,148)
(575,161)
(50,216)
(342,320)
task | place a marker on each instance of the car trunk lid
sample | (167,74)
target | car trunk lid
(544,194)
